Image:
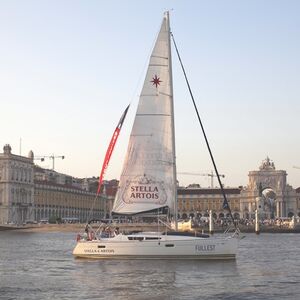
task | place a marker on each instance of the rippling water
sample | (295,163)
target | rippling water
(41,266)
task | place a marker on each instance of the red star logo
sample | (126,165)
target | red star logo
(156,81)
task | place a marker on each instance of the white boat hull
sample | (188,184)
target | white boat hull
(164,247)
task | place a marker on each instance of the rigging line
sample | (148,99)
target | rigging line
(92,208)
(225,203)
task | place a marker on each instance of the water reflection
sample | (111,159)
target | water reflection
(41,266)
(155,278)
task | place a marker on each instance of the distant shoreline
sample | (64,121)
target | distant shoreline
(135,227)
(45,228)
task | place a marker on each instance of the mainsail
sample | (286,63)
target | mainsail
(148,179)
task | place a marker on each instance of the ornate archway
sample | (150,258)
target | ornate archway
(269,202)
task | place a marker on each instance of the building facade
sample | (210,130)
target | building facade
(61,196)
(29,192)
(197,202)
(63,202)
(16,187)
(267,190)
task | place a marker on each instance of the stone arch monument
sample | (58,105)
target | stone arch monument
(267,191)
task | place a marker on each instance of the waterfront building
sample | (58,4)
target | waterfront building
(16,187)
(31,193)
(60,196)
(278,198)
(197,202)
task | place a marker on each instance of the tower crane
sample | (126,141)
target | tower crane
(211,175)
(53,157)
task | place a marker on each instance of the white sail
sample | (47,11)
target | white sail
(148,178)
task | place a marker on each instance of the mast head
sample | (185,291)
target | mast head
(167,15)
(167,20)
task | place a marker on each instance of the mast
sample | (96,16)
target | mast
(173,124)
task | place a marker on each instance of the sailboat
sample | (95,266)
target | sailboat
(148,181)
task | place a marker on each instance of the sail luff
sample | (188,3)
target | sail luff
(175,208)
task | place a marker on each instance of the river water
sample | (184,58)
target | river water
(41,266)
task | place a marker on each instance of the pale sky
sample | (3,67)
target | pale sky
(69,68)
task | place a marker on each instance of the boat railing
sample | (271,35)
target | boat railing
(233,231)
(168,226)
(90,233)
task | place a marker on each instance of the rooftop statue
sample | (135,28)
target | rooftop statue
(7,149)
(267,164)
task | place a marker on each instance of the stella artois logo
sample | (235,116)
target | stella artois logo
(144,190)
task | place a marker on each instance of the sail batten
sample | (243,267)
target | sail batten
(158,65)
(147,181)
(163,57)
(151,115)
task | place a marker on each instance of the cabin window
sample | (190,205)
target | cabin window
(153,238)
(101,246)
(169,245)
(136,238)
